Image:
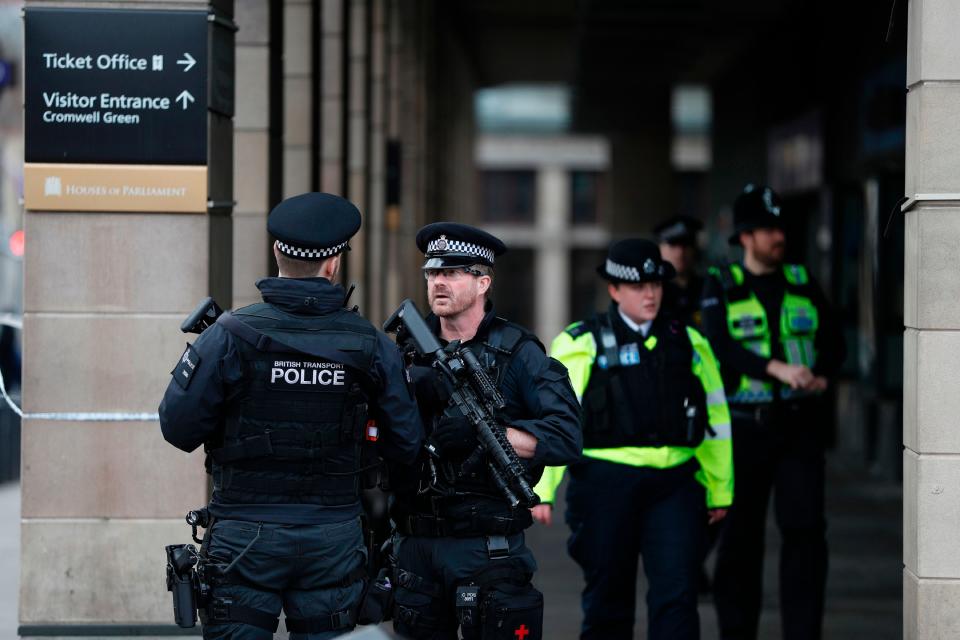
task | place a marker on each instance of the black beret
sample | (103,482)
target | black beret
(678,230)
(313,226)
(635,260)
(757,207)
(451,244)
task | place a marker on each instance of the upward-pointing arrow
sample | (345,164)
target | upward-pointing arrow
(185,97)
(188,61)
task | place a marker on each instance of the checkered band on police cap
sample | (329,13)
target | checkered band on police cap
(625,272)
(441,244)
(310,254)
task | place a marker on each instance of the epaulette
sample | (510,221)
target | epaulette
(577,329)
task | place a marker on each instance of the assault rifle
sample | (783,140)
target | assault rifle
(474,395)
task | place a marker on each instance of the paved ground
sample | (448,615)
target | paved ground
(864,587)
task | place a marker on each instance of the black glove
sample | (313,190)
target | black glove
(431,392)
(453,435)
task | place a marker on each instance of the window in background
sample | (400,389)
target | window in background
(588,291)
(508,196)
(691,112)
(586,196)
(513,286)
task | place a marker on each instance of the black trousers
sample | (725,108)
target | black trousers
(618,513)
(426,610)
(782,454)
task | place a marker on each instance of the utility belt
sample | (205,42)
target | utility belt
(191,577)
(768,413)
(496,603)
(419,525)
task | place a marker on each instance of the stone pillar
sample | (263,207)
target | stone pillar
(298,110)
(931,465)
(104,296)
(252,141)
(376,206)
(332,97)
(553,254)
(357,143)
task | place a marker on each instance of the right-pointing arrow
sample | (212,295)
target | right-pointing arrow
(185,98)
(188,61)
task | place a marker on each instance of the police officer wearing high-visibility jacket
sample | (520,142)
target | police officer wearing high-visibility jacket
(677,237)
(778,345)
(292,398)
(656,433)
(460,542)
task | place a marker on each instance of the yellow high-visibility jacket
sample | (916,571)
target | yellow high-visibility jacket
(715,453)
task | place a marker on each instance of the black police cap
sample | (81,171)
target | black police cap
(635,260)
(451,244)
(678,230)
(758,207)
(313,226)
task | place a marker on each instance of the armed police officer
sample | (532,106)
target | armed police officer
(779,345)
(288,396)
(677,237)
(460,541)
(656,432)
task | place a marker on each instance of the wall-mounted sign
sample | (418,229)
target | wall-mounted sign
(105,187)
(115,86)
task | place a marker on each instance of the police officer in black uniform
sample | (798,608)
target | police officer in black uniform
(780,346)
(446,544)
(292,398)
(677,237)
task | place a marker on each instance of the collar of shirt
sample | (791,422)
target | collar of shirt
(642,329)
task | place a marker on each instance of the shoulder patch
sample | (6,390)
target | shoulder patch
(186,367)
(577,329)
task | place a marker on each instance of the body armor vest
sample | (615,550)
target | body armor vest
(748,324)
(471,503)
(642,394)
(296,421)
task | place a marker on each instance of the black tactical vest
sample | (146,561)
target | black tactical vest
(470,503)
(295,422)
(640,397)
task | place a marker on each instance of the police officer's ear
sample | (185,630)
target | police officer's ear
(614,290)
(331,268)
(484,283)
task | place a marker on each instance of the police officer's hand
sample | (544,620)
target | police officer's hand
(454,434)
(431,393)
(793,375)
(543,513)
(716,515)
(817,385)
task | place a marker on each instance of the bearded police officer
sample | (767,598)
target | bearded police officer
(778,346)
(678,246)
(288,396)
(656,432)
(461,533)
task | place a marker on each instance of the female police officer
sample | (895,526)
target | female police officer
(656,430)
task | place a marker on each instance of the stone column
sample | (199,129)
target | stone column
(332,98)
(931,465)
(104,296)
(252,141)
(298,110)
(357,144)
(553,252)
